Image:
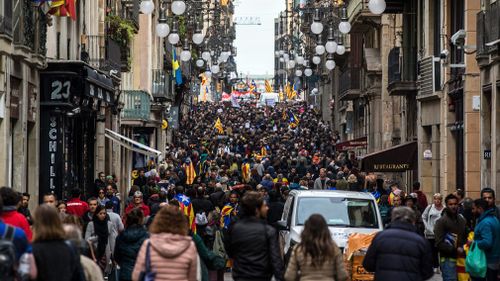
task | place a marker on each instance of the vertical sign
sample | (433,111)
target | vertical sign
(51,154)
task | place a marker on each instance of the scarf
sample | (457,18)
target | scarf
(101,230)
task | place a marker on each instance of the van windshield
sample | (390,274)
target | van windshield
(342,212)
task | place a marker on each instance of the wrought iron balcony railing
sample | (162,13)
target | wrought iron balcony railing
(137,105)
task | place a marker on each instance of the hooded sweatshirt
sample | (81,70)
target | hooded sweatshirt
(173,257)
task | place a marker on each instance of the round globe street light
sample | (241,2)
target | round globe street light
(299,59)
(344,25)
(276,53)
(215,68)
(316,26)
(316,59)
(331,45)
(162,28)
(291,64)
(282,60)
(308,72)
(205,55)
(377,7)
(298,72)
(286,56)
(174,38)
(186,52)
(330,63)
(178,7)
(320,48)
(147,7)
(340,46)
(200,62)
(198,36)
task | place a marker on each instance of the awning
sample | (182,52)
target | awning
(399,158)
(131,144)
(352,144)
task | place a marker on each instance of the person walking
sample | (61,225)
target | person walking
(55,259)
(429,217)
(102,234)
(320,182)
(451,234)
(253,244)
(75,205)
(114,217)
(169,244)
(399,252)
(316,257)
(10,215)
(129,242)
(487,238)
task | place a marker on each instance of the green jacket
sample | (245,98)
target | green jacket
(208,259)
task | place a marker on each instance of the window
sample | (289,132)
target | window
(342,212)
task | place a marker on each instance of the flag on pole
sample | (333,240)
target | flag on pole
(281,96)
(293,120)
(176,68)
(269,89)
(218,126)
(190,172)
(224,2)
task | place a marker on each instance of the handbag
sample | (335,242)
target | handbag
(147,274)
(475,262)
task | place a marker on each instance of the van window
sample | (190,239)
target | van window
(342,212)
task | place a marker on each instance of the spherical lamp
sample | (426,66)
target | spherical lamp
(185,55)
(340,49)
(299,59)
(316,59)
(200,62)
(344,27)
(178,7)
(291,63)
(162,30)
(308,72)
(147,7)
(330,64)
(377,7)
(316,27)
(298,72)
(173,38)
(331,46)
(215,68)
(198,38)
(320,49)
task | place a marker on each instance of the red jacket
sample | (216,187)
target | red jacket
(17,219)
(143,207)
(77,207)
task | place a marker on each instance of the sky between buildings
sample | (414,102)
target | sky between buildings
(255,43)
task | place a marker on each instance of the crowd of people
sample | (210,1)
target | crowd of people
(212,204)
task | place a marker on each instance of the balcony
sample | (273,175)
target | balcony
(131,11)
(398,86)
(488,31)
(103,53)
(136,105)
(350,84)
(6,24)
(161,88)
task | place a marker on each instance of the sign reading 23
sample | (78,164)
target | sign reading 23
(60,90)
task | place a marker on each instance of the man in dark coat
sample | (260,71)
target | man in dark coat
(253,244)
(399,252)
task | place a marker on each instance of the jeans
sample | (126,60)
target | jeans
(491,275)
(449,269)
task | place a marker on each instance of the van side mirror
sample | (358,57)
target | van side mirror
(282,225)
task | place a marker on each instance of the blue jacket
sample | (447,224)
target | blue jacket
(127,248)
(487,236)
(20,241)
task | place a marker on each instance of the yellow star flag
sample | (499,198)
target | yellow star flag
(288,91)
(281,96)
(269,89)
(190,173)
(224,2)
(218,126)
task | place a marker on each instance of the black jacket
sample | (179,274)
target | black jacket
(56,261)
(127,248)
(253,246)
(399,253)
(446,226)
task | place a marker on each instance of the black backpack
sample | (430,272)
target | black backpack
(8,254)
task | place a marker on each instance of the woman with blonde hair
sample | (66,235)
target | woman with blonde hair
(55,259)
(316,257)
(169,244)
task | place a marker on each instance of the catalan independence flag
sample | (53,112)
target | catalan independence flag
(190,172)
(218,126)
(226,213)
(187,208)
(245,172)
(63,8)
(293,120)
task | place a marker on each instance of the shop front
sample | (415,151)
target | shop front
(74,101)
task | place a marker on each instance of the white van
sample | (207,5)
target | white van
(269,99)
(345,212)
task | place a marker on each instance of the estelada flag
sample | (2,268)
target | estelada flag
(245,172)
(190,173)
(218,126)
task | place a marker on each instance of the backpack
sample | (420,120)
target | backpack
(8,262)
(201,219)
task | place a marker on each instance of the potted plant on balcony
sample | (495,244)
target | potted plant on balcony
(122,32)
